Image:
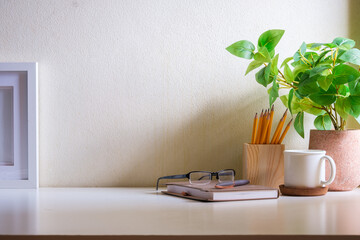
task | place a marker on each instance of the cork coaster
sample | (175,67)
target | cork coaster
(292,191)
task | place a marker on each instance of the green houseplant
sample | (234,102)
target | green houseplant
(322,78)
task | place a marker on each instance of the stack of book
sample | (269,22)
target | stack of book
(208,192)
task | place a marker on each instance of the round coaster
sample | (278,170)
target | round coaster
(292,191)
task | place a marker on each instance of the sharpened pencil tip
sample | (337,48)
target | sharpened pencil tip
(285,113)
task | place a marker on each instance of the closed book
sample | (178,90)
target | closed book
(208,192)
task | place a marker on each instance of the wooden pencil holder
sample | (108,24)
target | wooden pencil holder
(263,164)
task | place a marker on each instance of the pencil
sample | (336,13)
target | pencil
(281,126)
(268,132)
(258,133)
(263,130)
(276,132)
(266,125)
(285,131)
(253,136)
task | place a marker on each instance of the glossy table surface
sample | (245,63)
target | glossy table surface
(142,211)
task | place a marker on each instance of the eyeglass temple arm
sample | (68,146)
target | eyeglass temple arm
(170,177)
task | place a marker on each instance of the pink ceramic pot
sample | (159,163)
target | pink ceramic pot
(344,148)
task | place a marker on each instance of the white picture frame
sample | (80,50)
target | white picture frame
(18,125)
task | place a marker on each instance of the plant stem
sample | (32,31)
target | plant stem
(284,85)
(331,117)
(281,79)
(312,59)
(335,56)
(336,115)
(305,60)
(282,75)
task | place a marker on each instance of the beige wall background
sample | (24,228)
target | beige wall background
(133,90)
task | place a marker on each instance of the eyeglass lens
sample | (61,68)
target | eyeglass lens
(200,178)
(226,176)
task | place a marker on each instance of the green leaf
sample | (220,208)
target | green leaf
(330,45)
(286,61)
(354,88)
(344,43)
(343,107)
(300,68)
(354,98)
(325,62)
(295,103)
(299,52)
(311,57)
(263,76)
(340,52)
(314,46)
(324,98)
(298,95)
(354,106)
(274,63)
(291,95)
(299,105)
(272,53)
(273,93)
(299,124)
(323,122)
(289,76)
(253,65)
(344,73)
(325,82)
(284,100)
(243,49)
(302,49)
(314,111)
(296,57)
(308,85)
(318,70)
(270,39)
(351,56)
(355,111)
(344,90)
(307,105)
(262,55)
(321,57)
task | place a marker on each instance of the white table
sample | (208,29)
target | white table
(142,212)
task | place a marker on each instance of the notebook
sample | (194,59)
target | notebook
(208,192)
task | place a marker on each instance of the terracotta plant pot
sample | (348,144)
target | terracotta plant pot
(344,148)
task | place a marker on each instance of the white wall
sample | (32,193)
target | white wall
(131,90)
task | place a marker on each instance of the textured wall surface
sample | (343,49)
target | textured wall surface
(133,90)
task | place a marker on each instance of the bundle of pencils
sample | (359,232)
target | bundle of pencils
(262,128)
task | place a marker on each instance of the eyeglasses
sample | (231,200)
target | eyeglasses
(203,177)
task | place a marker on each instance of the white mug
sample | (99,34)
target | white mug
(306,168)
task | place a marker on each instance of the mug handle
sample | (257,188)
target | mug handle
(333,170)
